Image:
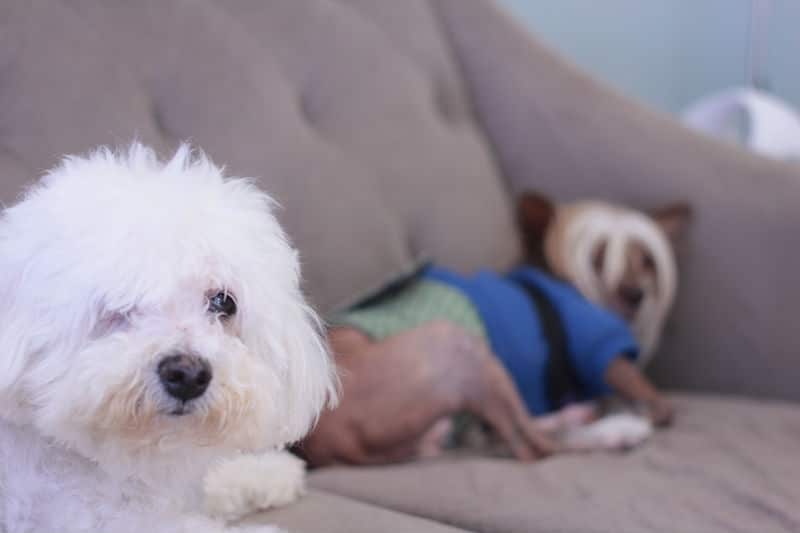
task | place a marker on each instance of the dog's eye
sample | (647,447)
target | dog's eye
(649,262)
(222,304)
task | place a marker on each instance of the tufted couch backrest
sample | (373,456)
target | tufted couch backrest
(352,113)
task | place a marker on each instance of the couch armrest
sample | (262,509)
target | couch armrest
(556,130)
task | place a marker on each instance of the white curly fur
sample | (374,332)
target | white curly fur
(106,266)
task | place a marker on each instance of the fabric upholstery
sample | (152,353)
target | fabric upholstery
(727,465)
(363,133)
(322,512)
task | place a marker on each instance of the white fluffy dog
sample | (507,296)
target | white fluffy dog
(157,352)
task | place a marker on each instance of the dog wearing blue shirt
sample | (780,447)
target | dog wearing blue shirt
(573,324)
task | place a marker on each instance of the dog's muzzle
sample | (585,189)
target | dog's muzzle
(632,296)
(184,377)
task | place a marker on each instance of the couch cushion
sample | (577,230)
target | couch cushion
(323,512)
(360,128)
(726,465)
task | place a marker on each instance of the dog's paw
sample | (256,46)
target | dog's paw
(615,432)
(240,486)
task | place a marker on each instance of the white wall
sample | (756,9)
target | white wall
(667,53)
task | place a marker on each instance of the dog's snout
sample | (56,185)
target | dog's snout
(184,377)
(632,295)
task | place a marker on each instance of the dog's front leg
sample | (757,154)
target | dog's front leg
(242,485)
(628,381)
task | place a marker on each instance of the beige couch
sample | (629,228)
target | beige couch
(389,129)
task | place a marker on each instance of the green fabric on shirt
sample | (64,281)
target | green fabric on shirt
(418,303)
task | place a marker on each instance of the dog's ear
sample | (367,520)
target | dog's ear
(314,383)
(673,219)
(17,332)
(535,212)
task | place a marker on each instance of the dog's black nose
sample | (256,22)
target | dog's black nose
(633,296)
(184,377)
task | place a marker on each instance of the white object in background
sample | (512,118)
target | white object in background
(750,117)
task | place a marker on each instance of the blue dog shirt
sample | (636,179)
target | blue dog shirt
(595,336)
